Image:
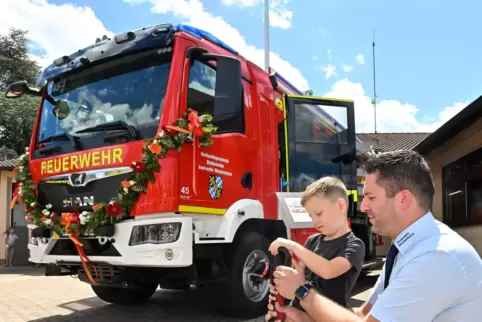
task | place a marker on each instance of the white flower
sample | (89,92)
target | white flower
(33,204)
(48,206)
(20,168)
(155,141)
(162,134)
(132,182)
(20,192)
(84,217)
(126,190)
(26,149)
(46,212)
(48,222)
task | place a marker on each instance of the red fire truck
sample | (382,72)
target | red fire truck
(162,157)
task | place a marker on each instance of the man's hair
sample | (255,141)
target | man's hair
(330,188)
(403,169)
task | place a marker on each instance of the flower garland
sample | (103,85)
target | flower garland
(188,128)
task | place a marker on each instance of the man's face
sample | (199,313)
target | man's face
(379,208)
(327,216)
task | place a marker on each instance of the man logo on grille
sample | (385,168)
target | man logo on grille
(77,179)
(215,186)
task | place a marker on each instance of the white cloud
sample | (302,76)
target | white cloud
(195,15)
(279,15)
(392,115)
(57,29)
(347,68)
(63,29)
(360,59)
(329,71)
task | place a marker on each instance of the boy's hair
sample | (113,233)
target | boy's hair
(330,188)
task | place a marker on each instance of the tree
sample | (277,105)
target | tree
(17,116)
(15,63)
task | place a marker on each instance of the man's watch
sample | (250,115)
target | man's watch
(303,291)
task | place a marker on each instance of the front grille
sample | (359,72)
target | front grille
(64,198)
(92,247)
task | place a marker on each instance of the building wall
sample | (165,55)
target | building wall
(5,193)
(461,144)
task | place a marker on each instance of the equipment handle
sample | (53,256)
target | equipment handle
(283,258)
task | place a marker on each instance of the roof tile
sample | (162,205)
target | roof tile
(385,142)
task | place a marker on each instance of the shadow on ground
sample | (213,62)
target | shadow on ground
(23,270)
(164,305)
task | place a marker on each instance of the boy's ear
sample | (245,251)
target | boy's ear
(342,205)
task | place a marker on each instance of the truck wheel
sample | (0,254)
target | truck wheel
(246,297)
(125,296)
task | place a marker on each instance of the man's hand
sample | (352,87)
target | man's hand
(287,279)
(292,314)
(281,242)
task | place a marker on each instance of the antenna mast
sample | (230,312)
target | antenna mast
(266,35)
(374,100)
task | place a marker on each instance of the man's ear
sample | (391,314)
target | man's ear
(405,199)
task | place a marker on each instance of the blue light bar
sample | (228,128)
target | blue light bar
(201,34)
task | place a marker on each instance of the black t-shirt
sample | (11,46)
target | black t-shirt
(348,246)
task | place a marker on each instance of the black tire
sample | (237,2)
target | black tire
(235,302)
(125,296)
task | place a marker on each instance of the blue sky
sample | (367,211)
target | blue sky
(427,63)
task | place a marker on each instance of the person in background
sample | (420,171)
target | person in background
(431,273)
(333,258)
(11,239)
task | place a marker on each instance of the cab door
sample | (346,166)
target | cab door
(213,178)
(321,140)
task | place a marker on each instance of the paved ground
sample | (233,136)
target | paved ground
(27,295)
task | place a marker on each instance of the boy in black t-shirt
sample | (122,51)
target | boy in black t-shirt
(332,259)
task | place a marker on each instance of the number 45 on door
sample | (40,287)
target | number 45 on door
(185,190)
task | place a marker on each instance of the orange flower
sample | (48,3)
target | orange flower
(96,207)
(155,148)
(126,184)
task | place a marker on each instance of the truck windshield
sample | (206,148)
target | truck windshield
(129,90)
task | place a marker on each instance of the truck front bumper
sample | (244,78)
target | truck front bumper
(147,251)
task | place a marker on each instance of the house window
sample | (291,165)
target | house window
(462,190)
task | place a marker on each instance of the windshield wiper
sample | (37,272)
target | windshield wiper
(114,125)
(62,136)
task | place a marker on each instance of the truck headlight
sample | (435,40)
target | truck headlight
(155,234)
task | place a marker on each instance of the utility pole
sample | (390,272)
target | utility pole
(374,100)
(266,35)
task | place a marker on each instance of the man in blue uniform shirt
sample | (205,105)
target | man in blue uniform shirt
(431,272)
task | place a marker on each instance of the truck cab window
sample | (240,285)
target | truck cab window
(201,94)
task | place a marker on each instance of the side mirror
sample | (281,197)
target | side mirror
(228,102)
(229,89)
(19,88)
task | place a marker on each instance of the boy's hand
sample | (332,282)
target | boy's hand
(287,279)
(281,242)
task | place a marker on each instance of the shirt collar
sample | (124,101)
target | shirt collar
(417,231)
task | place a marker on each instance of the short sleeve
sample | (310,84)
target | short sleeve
(309,241)
(377,289)
(422,288)
(354,252)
